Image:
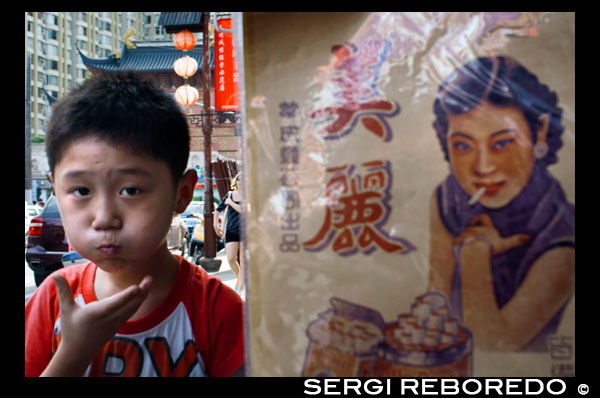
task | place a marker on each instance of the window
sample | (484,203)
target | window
(52,50)
(51,209)
(102,25)
(52,19)
(105,40)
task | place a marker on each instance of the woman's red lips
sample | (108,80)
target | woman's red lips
(490,188)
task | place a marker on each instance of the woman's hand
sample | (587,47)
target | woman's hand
(85,330)
(482,228)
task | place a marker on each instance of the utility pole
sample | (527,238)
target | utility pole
(208,262)
(28,188)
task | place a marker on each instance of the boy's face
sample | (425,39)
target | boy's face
(116,205)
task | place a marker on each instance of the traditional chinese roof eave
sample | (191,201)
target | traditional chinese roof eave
(174,22)
(148,60)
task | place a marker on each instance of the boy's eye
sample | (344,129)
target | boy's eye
(130,191)
(80,192)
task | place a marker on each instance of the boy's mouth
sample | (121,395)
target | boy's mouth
(108,250)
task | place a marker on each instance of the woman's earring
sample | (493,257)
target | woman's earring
(540,149)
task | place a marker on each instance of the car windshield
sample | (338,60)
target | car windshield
(194,207)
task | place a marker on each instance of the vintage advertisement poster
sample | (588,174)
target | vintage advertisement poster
(411,194)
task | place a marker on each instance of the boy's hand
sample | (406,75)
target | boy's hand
(84,330)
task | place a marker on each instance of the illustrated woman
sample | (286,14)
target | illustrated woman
(502,231)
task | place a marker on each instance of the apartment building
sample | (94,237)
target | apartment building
(51,43)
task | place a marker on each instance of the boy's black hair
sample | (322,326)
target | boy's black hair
(122,109)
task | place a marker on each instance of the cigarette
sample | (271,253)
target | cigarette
(475,198)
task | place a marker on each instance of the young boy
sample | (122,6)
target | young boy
(117,149)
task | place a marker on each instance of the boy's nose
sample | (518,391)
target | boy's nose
(106,216)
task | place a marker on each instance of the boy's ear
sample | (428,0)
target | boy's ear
(185,190)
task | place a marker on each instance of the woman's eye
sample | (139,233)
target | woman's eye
(80,192)
(461,146)
(502,143)
(130,191)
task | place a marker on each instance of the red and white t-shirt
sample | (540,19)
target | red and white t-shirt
(196,331)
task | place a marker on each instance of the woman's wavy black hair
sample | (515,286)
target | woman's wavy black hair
(501,81)
(122,109)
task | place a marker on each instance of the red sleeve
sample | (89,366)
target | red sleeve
(40,315)
(218,321)
(227,333)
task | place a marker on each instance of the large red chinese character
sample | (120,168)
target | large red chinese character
(357,211)
(353,76)
(342,119)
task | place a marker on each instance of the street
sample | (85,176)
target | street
(225,274)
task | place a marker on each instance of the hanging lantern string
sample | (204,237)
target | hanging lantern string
(184,40)
(185,67)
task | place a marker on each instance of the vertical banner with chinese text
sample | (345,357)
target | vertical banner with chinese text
(226,92)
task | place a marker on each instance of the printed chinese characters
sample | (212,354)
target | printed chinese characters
(358,209)
(354,74)
(562,355)
(289,152)
(225,73)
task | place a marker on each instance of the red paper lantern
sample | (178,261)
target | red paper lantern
(185,66)
(186,95)
(184,40)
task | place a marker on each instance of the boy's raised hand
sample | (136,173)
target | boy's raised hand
(84,330)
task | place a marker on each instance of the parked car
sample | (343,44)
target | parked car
(47,242)
(193,215)
(30,212)
(197,243)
